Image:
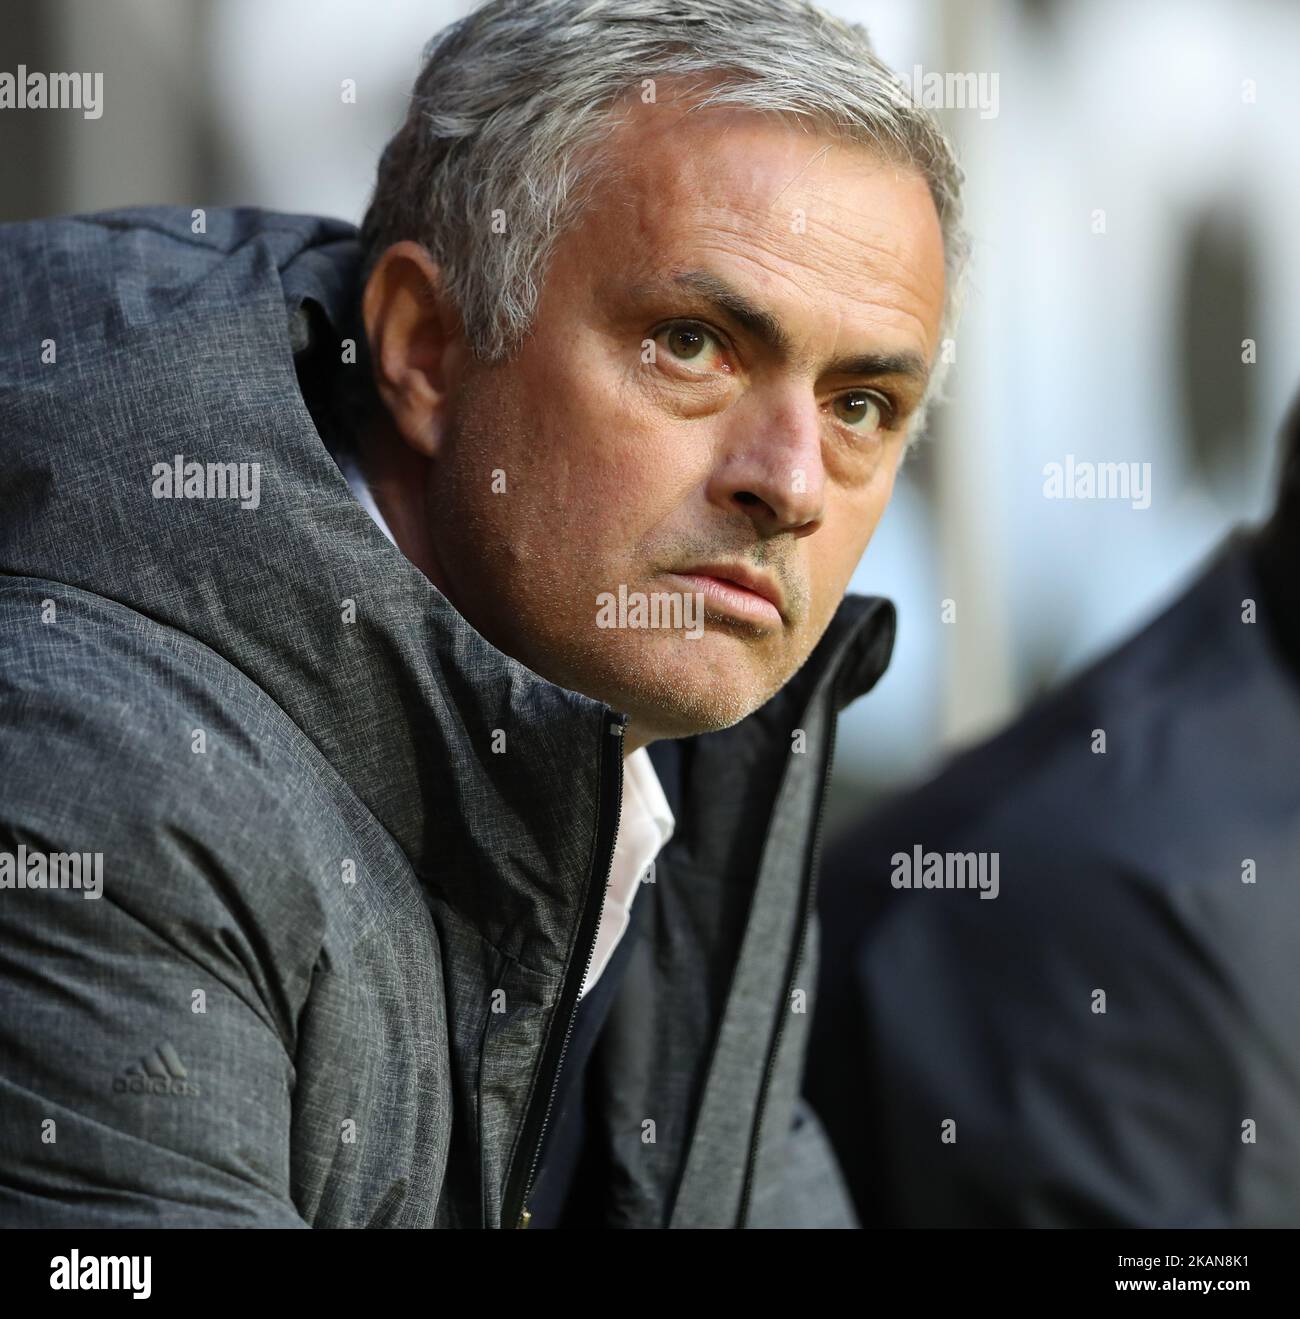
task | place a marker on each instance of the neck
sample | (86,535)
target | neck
(397,477)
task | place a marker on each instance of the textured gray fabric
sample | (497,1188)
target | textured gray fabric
(369,1051)
(719,1158)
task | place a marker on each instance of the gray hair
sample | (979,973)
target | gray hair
(512,99)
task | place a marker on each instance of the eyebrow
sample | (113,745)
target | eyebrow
(769,331)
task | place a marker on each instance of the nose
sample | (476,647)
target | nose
(770,467)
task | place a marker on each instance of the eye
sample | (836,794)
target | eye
(689,341)
(863,411)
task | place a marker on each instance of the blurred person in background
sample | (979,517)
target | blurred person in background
(1109,1035)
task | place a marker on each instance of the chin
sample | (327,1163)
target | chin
(682,691)
(678,716)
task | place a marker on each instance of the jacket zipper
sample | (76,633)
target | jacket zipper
(611,784)
(809,891)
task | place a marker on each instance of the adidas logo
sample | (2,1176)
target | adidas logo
(158,1073)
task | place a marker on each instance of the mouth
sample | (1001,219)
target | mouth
(738,591)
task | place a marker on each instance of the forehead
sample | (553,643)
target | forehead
(826,232)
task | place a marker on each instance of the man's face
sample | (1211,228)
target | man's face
(791,291)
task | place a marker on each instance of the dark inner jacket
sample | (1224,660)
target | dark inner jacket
(333,974)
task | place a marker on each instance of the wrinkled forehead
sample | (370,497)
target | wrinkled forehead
(822,229)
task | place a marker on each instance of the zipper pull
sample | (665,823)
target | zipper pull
(525,1217)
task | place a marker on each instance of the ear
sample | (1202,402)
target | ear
(416,343)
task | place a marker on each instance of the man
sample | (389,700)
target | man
(1111,1040)
(642,314)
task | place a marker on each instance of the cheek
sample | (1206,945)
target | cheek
(870,501)
(616,466)
(840,552)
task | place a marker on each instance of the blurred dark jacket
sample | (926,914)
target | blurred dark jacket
(1164,872)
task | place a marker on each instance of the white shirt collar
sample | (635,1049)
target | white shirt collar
(645,825)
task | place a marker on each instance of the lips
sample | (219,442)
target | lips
(737,574)
(735,590)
